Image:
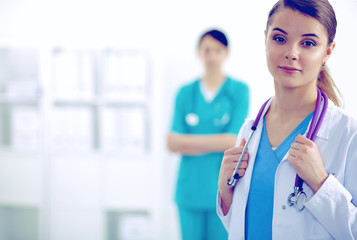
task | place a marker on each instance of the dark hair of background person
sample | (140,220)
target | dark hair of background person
(216,34)
(323,12)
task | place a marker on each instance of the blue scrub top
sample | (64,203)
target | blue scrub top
(259,210)
(197,182)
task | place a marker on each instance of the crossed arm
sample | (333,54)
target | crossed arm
(189,144)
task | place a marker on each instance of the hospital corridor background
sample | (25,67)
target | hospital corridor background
(87,90)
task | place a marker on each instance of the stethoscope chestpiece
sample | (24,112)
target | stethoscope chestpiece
(297,198)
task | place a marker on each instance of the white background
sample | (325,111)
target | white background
(168,31)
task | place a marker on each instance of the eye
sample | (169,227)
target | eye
(279,39)
(308,43)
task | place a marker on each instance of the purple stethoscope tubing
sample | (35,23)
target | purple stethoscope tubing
(311,134)
(232,181)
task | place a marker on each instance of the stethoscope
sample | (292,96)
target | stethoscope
(298,197)
(192,119)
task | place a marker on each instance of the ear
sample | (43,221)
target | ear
(329,51)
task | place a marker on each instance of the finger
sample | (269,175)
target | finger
(290,159)
(301,139)
(232,165)
(300,142)
(241,172)
(234,151)
(296,145)
(230,158)
(239,149)
(293,152)
(241,146)
(242,143)
(237,155)
(233,160)
(243,165)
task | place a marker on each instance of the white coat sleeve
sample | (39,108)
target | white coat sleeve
(226,219)
(333,208)
(334,204)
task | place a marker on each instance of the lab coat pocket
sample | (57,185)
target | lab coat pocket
(318,232)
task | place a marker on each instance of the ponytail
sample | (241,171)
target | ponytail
(326,84)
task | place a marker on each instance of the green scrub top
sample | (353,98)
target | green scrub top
(197,182)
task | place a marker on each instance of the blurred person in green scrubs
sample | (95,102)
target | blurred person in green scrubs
(207,117)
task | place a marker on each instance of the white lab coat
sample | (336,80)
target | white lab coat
(329,214)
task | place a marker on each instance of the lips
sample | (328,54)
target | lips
(289,70)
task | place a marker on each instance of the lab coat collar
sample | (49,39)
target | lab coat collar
(324,132)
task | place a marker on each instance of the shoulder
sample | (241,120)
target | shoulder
(247,125)
(237,89)
(340,122)
(237,84)
(245,129)
(340,116)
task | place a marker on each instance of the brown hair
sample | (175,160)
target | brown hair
(323,12)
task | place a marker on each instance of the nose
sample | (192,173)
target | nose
(291,58)
(292,53)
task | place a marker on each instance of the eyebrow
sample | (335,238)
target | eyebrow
(310,35)
(304,35)
(280,30)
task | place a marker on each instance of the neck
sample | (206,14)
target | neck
(213,79)
(293,103)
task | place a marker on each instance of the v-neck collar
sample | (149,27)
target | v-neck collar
(218,91)
(282,149)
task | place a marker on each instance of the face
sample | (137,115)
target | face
(296,47)
(212,53)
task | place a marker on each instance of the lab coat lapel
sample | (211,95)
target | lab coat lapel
(242,187)
(252,150)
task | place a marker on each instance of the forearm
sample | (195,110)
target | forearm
(190,144)
(226,200)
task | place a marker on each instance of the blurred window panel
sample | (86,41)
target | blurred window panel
(72,128)
(125,75)
(124,129)
(25,128)
(19,98)
(19,74)
(126,225)
(73,74)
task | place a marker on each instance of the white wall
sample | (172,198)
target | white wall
(168,31)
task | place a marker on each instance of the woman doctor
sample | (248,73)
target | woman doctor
(208,114)
(299,41)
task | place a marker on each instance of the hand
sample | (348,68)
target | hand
(229,162)
(305,157)
(174,142)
